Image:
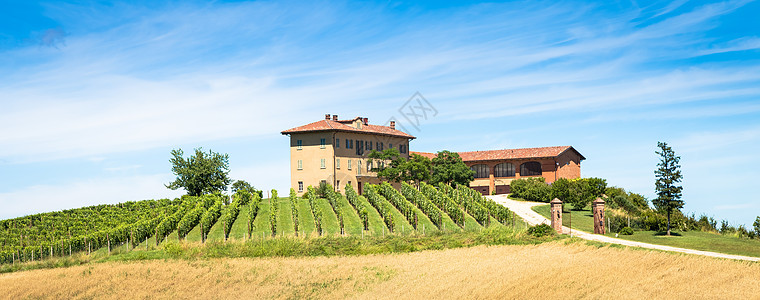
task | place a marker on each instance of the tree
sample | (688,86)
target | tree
(449,168)
(391,171)
(202,173)
(757,226)
(242,185)
(668,176)
(417,169)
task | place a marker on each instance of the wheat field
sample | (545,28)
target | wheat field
(557,270)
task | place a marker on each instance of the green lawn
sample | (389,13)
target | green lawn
(705,241)
(579,219)
(305,218)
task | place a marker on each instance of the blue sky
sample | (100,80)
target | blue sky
(94,95)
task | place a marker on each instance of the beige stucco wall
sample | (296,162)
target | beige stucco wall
(311,154)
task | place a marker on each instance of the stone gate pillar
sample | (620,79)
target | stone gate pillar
(597,207)
(556,212)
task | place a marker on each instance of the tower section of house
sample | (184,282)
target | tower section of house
(495,169)
(336,151)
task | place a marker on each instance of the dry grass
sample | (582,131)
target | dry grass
(552,270)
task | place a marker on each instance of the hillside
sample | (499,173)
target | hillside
(137,225)
(558,270)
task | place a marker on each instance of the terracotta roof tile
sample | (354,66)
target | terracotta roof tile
(522,153)
(330,125)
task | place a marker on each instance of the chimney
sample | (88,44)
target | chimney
(366,121)
(335,117)
(327,116)
(393,125)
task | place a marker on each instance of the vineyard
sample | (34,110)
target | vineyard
(381,210)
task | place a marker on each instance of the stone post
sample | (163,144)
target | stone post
(597,207)
(556,212)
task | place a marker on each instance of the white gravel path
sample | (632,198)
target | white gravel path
(525,211)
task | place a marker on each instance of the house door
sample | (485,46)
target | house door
(359,183)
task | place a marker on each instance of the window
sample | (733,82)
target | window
(300,164)
(359,147)
(358,167)
(299,144)
(322,163)
(377,146)
(322,143)
(349,164)
(351,145)
(347,147)
(349,182)
(369,166)
(531,168)
(369,146)
(337,185)
(300,186)
(402,149)
(481,170)
(337,143)
(337,163)
(390,146)
(322,182)
(504,170)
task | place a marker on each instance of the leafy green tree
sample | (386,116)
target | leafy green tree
(562,189)
(757,226)
(202,173)
(668,176)
(241,185)
(449,168)
(417,169)
(388,164)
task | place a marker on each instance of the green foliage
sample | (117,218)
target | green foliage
(202,173)
(668,176)
(253,210)
(423,203)
(210,217)
(274,194)
(444,203)
(541,230)
(756,226)
(381,205)
(531,189)
(316,210)
(448,168)
(626,231)
(471,206)
(230,213)
(82,228)
(496,210)
(353,199)
(333,198)
(294,209)
(190,220)
(399,201)
(389,165)
(169,224)
(273,207)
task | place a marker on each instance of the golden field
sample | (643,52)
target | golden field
(556,270)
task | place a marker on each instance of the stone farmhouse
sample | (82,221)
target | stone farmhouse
(336,152)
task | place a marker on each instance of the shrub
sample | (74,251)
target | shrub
(541,230)
(626,231)
(531,189)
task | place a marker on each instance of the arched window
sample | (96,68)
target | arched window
(481,171)
(531,168)
(504,170)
